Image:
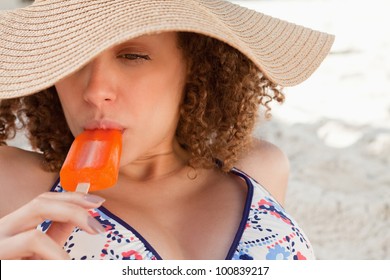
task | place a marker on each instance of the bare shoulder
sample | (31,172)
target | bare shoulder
(12,158)
(22,177)
(268,165)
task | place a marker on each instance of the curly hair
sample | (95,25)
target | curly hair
(221,101)
(42,118)
(220,106)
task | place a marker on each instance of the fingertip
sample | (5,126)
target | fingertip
(95,199)
(95,225)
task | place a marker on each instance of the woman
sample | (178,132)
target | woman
(183,82)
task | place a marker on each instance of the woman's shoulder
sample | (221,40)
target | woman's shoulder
(22,177)
(269,166)
(13,158)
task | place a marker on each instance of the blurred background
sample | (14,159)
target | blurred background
(335,128)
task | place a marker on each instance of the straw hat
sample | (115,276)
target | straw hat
(50,39)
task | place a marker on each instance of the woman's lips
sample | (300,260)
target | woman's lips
(103,124)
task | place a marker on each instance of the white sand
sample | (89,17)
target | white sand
(335,128)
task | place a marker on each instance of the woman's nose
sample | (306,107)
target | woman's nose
(99,83)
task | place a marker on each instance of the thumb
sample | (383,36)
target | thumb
(60,231)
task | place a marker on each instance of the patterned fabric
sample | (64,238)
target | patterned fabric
(266,232)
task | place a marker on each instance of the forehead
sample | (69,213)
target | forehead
(157,40)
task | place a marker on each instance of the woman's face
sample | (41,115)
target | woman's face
(136,87)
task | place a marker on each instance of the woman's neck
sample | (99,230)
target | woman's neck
(159,165)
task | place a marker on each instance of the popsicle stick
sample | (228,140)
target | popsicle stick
(82,187)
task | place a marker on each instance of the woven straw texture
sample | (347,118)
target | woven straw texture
(50,39)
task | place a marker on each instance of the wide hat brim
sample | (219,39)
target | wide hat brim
(50,39)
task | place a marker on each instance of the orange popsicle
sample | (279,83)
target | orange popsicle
(92,162)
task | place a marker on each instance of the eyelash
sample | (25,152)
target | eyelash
(131,56)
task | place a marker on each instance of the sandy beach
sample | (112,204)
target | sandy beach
(335,128)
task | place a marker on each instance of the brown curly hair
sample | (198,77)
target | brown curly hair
(220,106)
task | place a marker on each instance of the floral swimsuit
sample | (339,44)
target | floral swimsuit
(266,232)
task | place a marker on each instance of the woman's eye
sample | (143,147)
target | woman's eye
(132,56)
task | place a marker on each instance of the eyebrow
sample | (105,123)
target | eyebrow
(135,41)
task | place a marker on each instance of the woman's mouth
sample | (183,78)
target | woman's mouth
(103,124)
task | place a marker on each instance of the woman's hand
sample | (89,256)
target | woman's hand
(19,238)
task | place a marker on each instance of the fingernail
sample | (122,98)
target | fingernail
(95,225)
(94,198)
